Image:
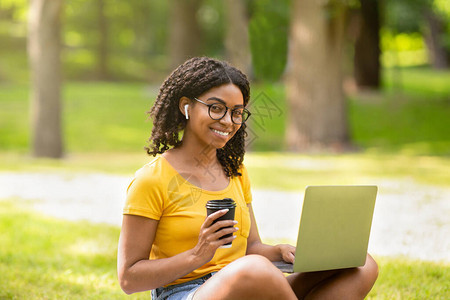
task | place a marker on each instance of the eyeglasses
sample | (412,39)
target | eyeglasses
(217,111)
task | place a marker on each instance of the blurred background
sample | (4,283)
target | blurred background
(380,67)
(343,92)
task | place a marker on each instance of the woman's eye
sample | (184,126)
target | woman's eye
(237,112)
(217,108)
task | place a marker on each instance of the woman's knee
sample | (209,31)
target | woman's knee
(255,272)
(250,277)
(371,267)
(370,274)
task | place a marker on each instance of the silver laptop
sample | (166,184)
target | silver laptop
(334,228)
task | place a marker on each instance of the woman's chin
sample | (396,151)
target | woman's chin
(218,144)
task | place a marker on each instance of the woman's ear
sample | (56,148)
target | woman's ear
(184,106)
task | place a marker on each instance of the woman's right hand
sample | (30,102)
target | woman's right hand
(210,234)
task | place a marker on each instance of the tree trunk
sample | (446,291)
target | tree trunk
(236,41)
(185,34)
(102,46)
(433,39)
(44,47)
(367,46)
(317,111)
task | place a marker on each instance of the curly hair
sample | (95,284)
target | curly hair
(191,79)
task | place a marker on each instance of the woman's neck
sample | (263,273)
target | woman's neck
(195,155)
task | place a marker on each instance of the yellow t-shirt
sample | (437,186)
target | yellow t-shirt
(159,192)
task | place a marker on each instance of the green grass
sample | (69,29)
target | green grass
(47,258)
(96,117)
(268,170)
(295,172)
(401,123)
(401,278)
(111,117)
(403,133)
(418,81)
(400,134)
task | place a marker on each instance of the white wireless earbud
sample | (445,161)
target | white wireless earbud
(186,111)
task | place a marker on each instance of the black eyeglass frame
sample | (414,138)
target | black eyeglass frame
(248,113)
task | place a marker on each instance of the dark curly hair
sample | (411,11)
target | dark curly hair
(191,79)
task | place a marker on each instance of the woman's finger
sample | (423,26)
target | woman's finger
(224,231)
(214,216)
(222,224)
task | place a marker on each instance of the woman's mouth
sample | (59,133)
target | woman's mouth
(222,133)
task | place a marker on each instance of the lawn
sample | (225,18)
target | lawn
(47,258)
(111,117)
(401,132)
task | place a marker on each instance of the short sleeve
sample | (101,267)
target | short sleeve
(245,180)
(145,196)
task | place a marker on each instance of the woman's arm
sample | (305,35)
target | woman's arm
(273,253)
(138,273)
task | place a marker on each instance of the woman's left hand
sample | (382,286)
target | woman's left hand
(287,252)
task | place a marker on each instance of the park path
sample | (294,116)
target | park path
(410,219)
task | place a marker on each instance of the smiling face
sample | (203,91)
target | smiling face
(204,130)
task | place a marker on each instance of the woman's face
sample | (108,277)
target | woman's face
(215,133)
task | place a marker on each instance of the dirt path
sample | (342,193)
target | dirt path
(410,219)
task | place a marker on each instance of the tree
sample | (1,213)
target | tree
(44,46)
(428,17)
(317,112)
(236,41)
(185,33)
(367,46)
(433,37)
(102,49)
(269,26)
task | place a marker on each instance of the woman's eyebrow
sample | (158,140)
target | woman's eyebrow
(217,99)
(222,101)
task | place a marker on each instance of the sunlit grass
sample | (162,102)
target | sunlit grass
(96,116)
(111,116)
(402,278)
(47,258)
(269,170)
(418,81)
(295,172)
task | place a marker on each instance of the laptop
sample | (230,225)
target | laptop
(334,228)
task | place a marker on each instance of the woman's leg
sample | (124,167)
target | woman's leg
(354,283)
(250,277)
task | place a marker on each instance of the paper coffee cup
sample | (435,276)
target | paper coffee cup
(215,205)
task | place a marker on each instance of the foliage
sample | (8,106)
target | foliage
(211,19)
(409,16)
(403,49)
(136,38)
(137,35)
(405,15)
(130,40)
(268,33)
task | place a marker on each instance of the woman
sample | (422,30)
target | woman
(167,243)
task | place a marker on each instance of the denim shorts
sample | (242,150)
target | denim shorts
(182,291)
